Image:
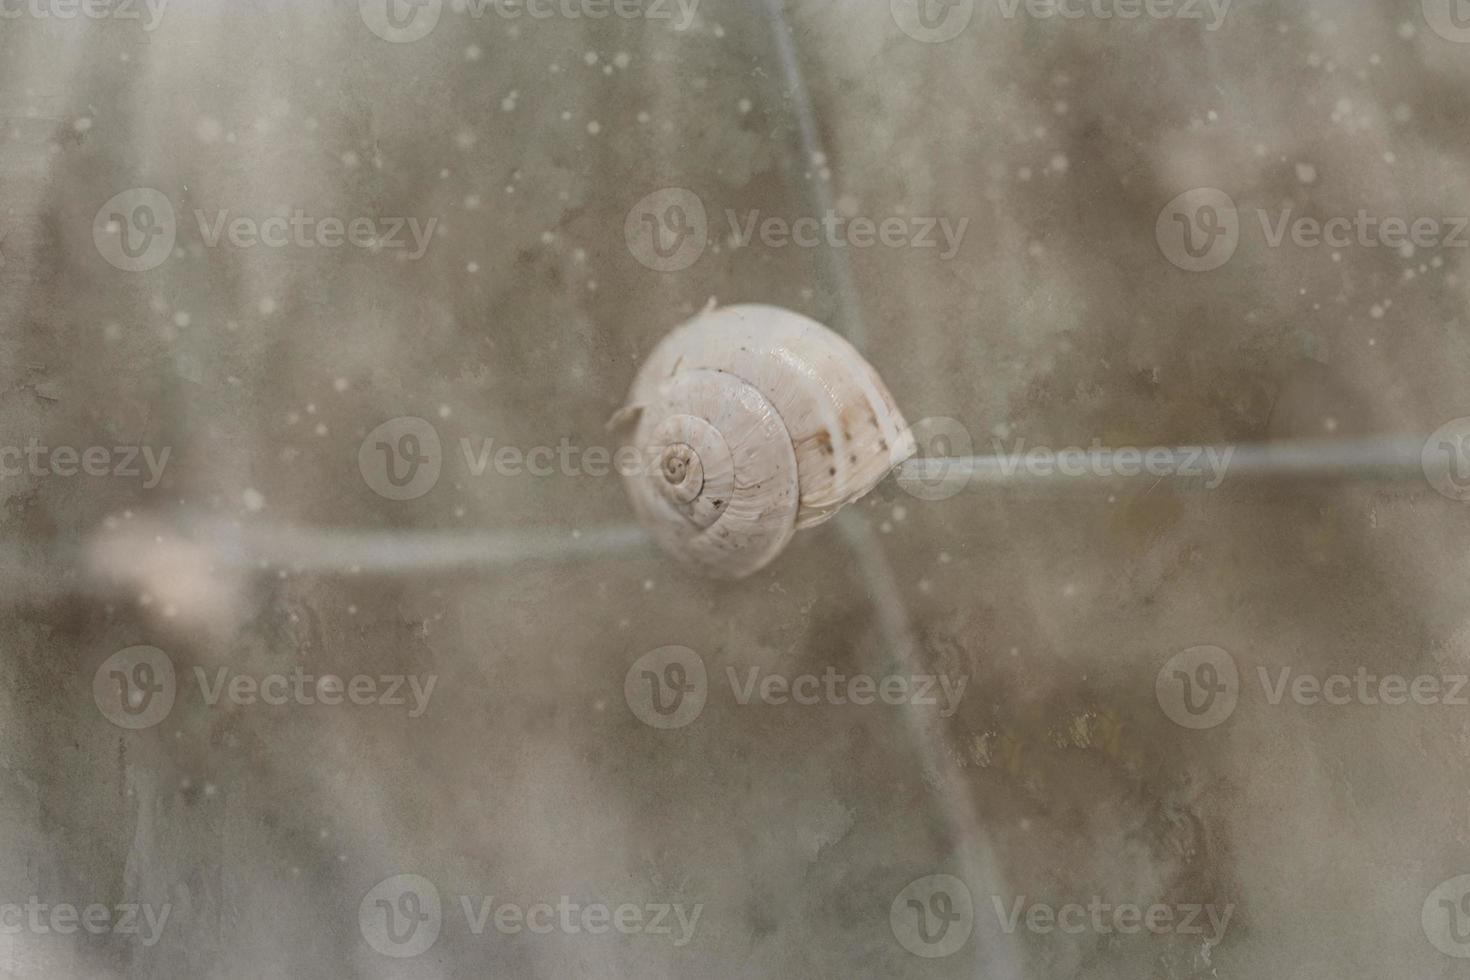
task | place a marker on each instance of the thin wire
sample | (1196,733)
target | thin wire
(249,544)
(317,549)
(809,138)
(973,854)
(1387,458)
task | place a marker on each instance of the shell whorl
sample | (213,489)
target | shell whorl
(755,422)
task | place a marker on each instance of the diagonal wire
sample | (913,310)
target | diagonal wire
(975,858)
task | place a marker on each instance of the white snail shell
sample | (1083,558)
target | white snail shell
(752,423)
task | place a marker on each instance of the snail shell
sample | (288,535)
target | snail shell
(754,422)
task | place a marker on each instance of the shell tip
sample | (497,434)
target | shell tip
(623,418)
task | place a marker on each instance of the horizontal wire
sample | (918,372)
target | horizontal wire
(1370,458)
(301,548)
(247,545)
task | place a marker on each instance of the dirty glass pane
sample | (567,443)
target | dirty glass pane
(734,488)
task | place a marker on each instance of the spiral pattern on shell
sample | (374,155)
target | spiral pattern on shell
(755,422)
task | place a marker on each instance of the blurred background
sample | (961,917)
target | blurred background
(239,239)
